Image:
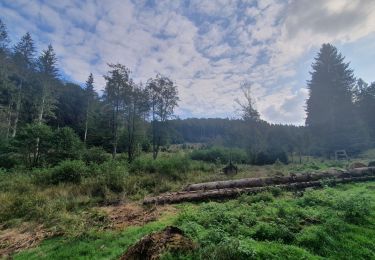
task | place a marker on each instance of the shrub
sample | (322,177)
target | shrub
(66,145)
(34,142)
(223,155)
(270,157)
(171,167)
(8,157)
(96,155)
(68,171)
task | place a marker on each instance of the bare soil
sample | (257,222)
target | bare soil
(152,246)
(133,214)
(16,239)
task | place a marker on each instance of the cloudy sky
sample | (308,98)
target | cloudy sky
(208,47)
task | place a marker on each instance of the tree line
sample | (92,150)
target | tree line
(34,99)
(44,119)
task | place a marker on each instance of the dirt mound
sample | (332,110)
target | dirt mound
(152,246)
(16,239)
(132,214)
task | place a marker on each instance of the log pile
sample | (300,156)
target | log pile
(233,188)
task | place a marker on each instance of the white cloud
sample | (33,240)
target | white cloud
(207,47)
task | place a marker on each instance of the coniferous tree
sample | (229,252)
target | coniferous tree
(331,115)
(48,72)
(24,59)
(4,38)
(7,89)
(90,95)
(365,101)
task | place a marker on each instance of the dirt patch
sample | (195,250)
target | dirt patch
(16,239)
(152,246)
(132,214)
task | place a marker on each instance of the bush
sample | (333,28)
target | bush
(223,155)
(66,145)
(171,167)
(270,157)
(34,142)
(68,171)
(8,157)
(96,155)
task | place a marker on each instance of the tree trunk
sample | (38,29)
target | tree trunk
(18,108)
(41,111)
(115,127)
(86,122)
(9,121)
(154,153)
(40,120)
(232,188)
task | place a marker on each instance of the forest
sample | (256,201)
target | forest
(76,164)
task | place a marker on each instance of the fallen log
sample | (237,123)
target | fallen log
(314,180)
(266,181)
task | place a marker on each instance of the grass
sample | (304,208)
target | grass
(263,226)
(56,195)
(93,244)
(334,222)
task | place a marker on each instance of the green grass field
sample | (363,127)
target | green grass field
(334,222)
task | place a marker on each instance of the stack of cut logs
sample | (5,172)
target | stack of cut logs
(233,188)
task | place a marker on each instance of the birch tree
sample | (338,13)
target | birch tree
(163,99)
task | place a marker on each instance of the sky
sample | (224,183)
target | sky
(207,47)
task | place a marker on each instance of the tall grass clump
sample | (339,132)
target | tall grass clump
(170,167)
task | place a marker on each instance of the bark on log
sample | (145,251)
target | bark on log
(228,189)
(260,182)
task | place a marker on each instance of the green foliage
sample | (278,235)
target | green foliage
(34,142)
(317,225)
(8,155)
(330,89)
(270,157)
(109,176)
(355,209)
(96,155)
(171,167)
(93,245)
(65,145)
(68,171)
(223,155)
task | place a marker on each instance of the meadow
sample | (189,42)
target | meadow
(67,204)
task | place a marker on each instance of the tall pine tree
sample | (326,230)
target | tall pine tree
(331,114)
(7,89)
(365,101)
(90,95)
(24,59)
(48,72)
